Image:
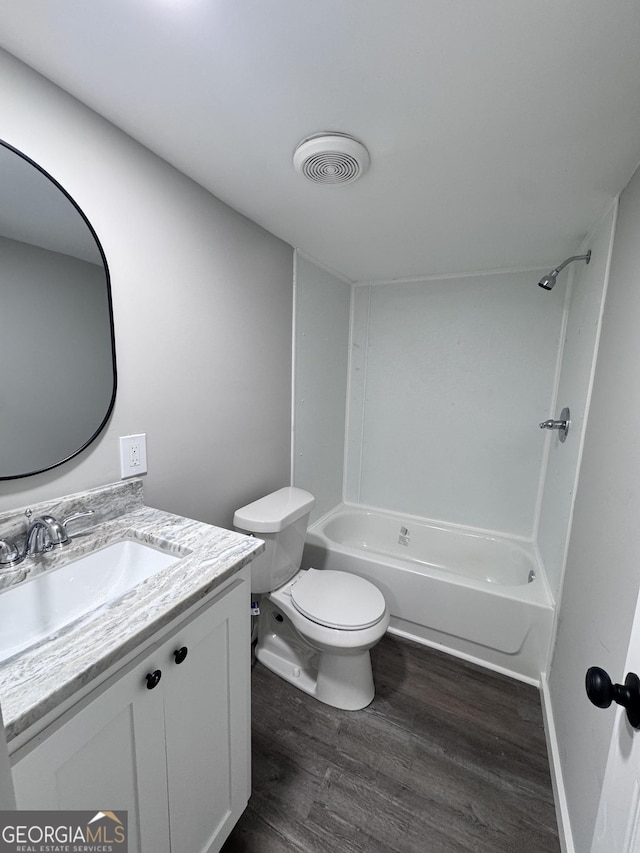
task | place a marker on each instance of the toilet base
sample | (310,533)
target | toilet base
(341,680)
(345,681)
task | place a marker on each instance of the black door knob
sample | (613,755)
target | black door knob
(153,679)
(602,692)
(180,654)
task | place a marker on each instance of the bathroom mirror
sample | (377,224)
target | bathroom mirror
(57,350)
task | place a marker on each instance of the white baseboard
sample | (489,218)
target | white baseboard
(559,795)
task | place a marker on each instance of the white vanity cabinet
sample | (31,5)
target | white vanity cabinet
(175,755)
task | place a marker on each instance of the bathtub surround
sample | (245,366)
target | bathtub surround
(449,378)
(202,311)
(577,360)
(448,381)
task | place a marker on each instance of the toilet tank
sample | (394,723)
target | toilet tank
(280,519)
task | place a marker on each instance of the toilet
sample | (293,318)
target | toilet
(315,627)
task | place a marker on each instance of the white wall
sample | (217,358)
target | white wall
(321,358)
(602,576)
(202,302)
(584,315)
(449,380)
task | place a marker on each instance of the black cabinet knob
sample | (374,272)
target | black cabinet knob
(602,692)
(180,654)
(153,679)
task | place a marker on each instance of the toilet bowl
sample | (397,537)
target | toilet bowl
(328,661)
(315,627)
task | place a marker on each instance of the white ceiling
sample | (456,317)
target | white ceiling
(499,130)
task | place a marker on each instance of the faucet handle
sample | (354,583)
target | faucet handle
(9,554)
(75,516)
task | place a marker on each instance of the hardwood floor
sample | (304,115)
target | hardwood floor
(448,757)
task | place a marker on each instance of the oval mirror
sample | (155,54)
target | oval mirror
(57,348)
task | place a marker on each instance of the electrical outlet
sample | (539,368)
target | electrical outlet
(133,455)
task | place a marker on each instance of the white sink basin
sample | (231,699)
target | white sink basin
(38,608)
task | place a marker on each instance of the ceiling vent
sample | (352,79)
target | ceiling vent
(331,158)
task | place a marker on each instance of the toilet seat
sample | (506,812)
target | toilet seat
(337,599)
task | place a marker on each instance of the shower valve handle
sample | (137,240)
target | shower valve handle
(561,425)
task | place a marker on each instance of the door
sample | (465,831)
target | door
(618,820)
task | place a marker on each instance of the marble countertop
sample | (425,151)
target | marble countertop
(36,681)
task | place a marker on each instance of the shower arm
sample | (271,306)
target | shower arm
(558,269)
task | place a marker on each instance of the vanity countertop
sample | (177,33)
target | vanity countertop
(37,681)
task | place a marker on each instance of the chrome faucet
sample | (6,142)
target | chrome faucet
(43,534)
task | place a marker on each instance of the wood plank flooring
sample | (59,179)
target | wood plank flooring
(448,757)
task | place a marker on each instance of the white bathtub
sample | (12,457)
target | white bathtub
(480,596)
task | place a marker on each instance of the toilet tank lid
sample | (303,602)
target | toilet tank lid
(275,511)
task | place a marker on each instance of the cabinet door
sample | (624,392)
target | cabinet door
(177,757)
(107,756)
(207,720)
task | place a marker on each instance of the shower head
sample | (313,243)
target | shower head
(548,281)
